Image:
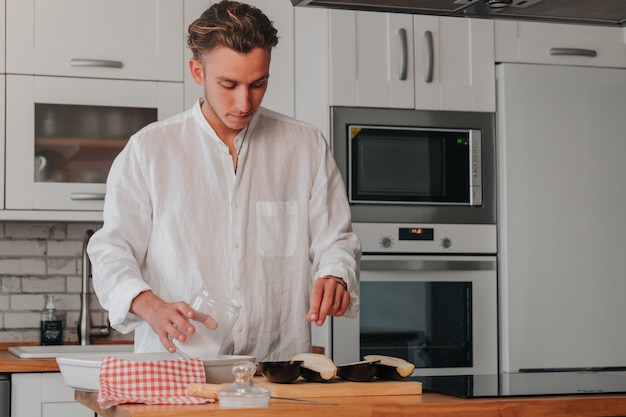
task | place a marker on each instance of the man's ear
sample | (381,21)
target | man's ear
(197,71)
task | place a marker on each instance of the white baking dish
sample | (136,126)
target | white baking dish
(82,372)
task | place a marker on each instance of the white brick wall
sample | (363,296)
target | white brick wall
(38,259)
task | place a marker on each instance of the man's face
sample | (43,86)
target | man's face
(234,86)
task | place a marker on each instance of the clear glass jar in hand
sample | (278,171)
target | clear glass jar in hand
(216,314)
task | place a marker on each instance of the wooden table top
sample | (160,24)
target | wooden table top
(425,405)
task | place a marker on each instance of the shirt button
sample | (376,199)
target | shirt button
(236,245)
(238,287)
(240,329)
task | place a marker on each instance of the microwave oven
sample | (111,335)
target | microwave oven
(402,165)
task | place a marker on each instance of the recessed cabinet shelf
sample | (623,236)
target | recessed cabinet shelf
(78,143)
(62,159)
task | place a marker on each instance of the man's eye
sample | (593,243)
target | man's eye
(229,86)
(259,84)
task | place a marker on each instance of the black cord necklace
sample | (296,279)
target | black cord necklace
(243,140)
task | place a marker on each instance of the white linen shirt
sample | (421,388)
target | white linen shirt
(177,216)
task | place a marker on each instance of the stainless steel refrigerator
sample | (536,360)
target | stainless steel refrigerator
(561,139)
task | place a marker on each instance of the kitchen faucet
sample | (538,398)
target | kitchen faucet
(84,329)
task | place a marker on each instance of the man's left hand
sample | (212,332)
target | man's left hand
(329,297)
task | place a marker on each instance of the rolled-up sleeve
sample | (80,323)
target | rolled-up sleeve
(335,248)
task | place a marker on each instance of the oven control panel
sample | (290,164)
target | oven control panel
(427,238)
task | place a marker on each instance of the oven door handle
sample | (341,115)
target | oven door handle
(427,265)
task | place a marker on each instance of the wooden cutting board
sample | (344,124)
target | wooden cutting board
(337,387)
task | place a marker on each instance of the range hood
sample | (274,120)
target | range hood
(597,12)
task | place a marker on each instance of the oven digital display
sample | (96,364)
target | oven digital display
(415,233)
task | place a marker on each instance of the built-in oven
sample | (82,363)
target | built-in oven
(403,165)
(428,295)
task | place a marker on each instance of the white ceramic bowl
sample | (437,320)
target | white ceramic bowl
(82,371)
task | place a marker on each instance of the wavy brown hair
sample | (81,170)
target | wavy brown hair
(238,26)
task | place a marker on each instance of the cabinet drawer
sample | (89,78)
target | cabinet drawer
(562,44)
(26,395)
(72,409)
(54,389)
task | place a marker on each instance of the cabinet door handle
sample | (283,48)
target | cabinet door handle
(101,63)
(405,54)
(431,56)
(86,196)
(573,52)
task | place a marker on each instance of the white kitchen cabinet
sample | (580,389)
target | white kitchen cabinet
(2,37)
(44,395)
(368,52)
(560,44)
(137,39)
(462,60)
(2,141)
(311,67)
(411,61)
(2,101)
(280,95)
(62,134)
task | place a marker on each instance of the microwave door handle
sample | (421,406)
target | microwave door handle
(427,265)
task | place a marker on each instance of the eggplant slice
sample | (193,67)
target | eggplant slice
(362,371)
(281,372)
(390,367)
(316,367)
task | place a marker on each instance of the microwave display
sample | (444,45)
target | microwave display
(414,166)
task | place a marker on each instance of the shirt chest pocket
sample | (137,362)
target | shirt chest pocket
(276,228)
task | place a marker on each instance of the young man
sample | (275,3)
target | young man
(231,196)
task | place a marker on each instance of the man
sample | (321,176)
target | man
(231,196)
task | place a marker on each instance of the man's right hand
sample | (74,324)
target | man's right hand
(168,320)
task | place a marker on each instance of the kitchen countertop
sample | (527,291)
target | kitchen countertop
(10,363)
(426,405)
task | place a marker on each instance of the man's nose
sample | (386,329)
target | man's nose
(243,100)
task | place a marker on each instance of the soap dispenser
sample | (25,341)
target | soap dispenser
(51,325)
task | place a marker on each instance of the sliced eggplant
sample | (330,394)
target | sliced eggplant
(358,371)
(390,367)
(282,372)
(316,367)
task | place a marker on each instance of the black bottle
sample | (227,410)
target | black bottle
(51,325)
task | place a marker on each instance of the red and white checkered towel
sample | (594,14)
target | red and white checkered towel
(149,382)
